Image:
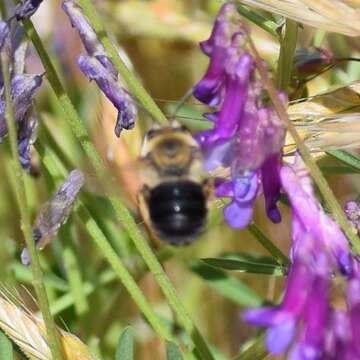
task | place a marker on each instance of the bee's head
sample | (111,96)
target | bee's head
(169,146)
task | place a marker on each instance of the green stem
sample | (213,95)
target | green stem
(38,281)
(286,56)
(313,168)
(268,244)
(134,85)
(122,212)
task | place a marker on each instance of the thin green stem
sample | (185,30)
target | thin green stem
(134,85)
(38,281)
(268,245)
(313,168)
(122,212)
(286,56)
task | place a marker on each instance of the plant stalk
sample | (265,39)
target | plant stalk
(38,281)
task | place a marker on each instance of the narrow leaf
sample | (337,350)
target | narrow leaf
(125,347)
(345,157)
(6,348)
(172,351)
(230,287)
(247,264)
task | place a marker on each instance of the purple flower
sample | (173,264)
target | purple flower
(55,212)
(99,67)
(26,9)
(306,324)
(247,136)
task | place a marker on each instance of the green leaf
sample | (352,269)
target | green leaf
(266,24)
(247,264)
(6,348)
(230,287)
(172,351)
(345,157)
(125,347)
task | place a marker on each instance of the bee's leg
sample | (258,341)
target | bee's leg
(142,198)
(208,186)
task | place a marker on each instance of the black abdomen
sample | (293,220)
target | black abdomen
(178,211)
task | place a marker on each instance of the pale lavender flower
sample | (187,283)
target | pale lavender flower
(352,211)
(306,325)
(27,133)
(247,136)
(26,9)
(55,212)
(94,70)
(99,67)
(23,90)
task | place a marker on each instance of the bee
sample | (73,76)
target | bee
(175,192)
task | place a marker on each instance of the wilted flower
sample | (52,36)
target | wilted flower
(247,136)
(308,62)
(306,323)
(26,9)
(23,90)
(99,67)
(55,212)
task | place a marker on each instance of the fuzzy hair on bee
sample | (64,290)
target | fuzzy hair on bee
(175,191)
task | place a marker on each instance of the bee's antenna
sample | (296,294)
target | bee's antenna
(181,102)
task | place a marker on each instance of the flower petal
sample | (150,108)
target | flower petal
(279,337)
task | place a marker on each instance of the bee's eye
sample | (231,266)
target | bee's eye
(152,133)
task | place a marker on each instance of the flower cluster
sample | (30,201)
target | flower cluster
(96,65)
(306,323)
(55,212)
(23,89)
(247,135)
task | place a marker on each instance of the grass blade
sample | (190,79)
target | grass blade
(247,264)
(125,347)
(231,288)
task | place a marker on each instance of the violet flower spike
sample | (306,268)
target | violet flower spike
(247,137)
(55,212)
(26,9)
(306,324)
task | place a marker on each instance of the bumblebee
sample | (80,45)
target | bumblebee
(174,197)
